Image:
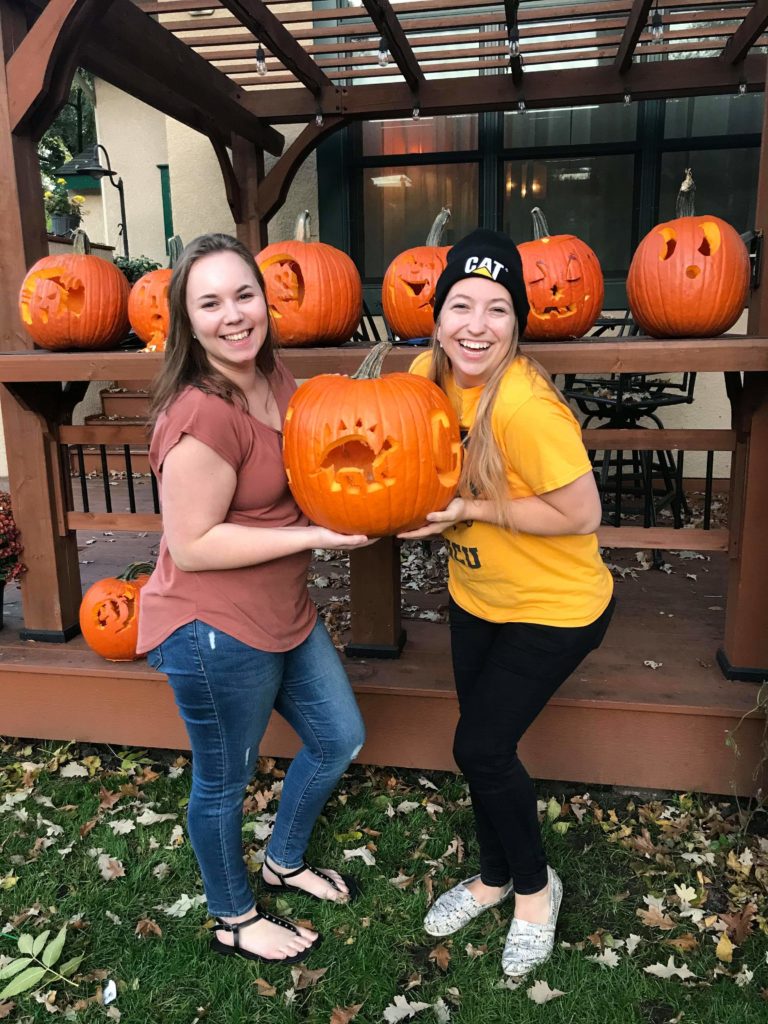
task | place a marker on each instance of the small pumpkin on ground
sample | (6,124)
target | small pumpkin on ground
(408,289)
(75,300)
(371,454)
(314,292)
(109,613)
(689,277)
(564,282)
(148,302)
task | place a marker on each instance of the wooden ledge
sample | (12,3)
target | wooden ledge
(621,355)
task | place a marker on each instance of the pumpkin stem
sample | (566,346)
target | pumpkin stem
(540,226)
(175,248)
(686,197)
(81,243)
(137,569)
(301,234)
(371,365)
(435,235)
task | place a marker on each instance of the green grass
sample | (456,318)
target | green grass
(375,949)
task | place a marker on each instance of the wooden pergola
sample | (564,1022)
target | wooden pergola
(234,70)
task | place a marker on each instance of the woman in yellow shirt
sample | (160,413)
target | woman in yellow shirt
(529,594)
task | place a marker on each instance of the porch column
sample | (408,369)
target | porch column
(248,166)
(744,654)
(51,587)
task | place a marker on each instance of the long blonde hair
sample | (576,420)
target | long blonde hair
(484,472)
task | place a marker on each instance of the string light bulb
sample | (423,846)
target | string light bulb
(261,61)
(514,42)
(521,107)
(742,88)
(657,26)
(383,56)
(627,97)
(319,119)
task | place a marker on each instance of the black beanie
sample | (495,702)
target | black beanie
(484,253)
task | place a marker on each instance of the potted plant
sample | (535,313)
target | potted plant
(65,211)
(11,566)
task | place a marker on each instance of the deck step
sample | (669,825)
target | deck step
(125,402)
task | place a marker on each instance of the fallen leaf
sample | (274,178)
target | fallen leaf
(473,952)
(345,1014)
(146,927)
(6,1009)
(654,918)
(607,958)
(110,868)
(401,1009)
(303,977)
(724,949)
(264,988)
(363,853)
(73,770)
(653,664)
(441,955)
(739,925)
(150,817)
(182,906)
(122,826)
(540,992)
(670,970)
(108,799)
(685,943)
(401,881)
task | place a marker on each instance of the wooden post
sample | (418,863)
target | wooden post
(744,654)
(375,600)
(248,164)
(51,586)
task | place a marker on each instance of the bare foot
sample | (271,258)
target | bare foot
(485,894)
(267,939)
(307,881)
(533,908)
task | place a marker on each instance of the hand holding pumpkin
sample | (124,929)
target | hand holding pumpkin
(437,522)
(341,541)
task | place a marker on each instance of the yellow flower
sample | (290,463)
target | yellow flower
(61,181)
(78,199)
(47,195)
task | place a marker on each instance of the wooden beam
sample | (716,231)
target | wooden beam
(637,21)
(40,71)
(270,31)
(248,164)
(274,188)
(737,47)
(555,88)
(390,29)
(231,184)
(141,44)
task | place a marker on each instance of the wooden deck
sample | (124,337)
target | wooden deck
(617,721)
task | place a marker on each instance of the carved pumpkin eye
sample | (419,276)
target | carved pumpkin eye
(712,238)
(573,270)
(670,243)
(284,281)
(539,273)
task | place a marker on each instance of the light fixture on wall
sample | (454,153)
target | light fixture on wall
(88,162)
(261,61)
(383,55)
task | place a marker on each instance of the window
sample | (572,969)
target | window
(726,183)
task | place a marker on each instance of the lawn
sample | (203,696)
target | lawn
(665,915)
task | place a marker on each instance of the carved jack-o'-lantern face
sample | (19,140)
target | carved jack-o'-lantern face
(109,613)
(313,290)
(408,290)
(148,308)
(371,456)
(564,284)
(689,278)
(74,301)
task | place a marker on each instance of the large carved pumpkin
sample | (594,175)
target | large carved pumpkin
(408,289)
(564,282)
(148,302)
(369,454)
(314,291)
(109,613)
(689,277)
(75,300)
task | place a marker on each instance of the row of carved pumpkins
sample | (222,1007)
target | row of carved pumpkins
(688,278)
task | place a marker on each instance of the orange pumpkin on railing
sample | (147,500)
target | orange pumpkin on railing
(408,289)
(689,277)
(109,613)
(75,300)
(314,291)
(148,302)
(564,282)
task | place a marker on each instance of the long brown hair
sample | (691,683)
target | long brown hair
(186,361)
(483,473)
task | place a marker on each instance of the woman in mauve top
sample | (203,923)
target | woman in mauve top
(226,614)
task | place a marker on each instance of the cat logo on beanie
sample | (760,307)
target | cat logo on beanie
(485,267)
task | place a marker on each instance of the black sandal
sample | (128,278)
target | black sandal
(259,914)
(351,884)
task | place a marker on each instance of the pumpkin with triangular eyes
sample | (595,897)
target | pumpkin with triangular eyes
(564,283)
(148,308)
(408,289)
(313,290)
(689,277)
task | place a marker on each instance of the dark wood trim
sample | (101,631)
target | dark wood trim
(248,164)
(231,184)
(637,21)
(557,88)
(745,36)
(662,538)
(125,522)
(389,28)
(271,31)
(274,188)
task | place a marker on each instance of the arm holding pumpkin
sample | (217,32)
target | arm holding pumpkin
(198,486)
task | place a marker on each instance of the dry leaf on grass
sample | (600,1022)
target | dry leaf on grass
(441,955)
(724,949)
(146,927)
(363,853)
(606,958)
(122,826)
(670,970)
(739,925)
(686,943)
(345,1014)
(108,799)
(73,770)
(540,992)
(264,988)
(303,977)
(401,1009)
(6,1009)
(110,867)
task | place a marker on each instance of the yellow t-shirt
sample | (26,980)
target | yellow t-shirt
(505,576)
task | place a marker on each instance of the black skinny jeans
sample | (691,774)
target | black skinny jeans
(505,673)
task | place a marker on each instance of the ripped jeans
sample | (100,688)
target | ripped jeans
(225,691)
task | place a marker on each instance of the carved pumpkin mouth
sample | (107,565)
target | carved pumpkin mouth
(414,287)
(353,466)
(554,312)
(51,291)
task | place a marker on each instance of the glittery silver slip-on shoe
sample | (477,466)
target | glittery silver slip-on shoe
(530,945)
(458,907)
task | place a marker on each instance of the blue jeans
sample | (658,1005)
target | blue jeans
(225,691)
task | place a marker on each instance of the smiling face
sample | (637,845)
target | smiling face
(476,329)
(564,284)
(227,311)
